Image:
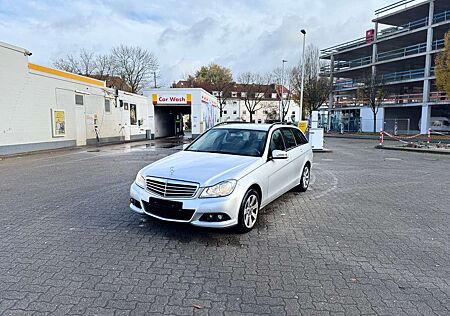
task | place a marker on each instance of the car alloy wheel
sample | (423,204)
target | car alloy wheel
(305,178)
(248,214)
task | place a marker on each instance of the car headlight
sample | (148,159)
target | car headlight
(223,188)
(140,180)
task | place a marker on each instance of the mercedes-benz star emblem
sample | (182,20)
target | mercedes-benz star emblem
(172,170)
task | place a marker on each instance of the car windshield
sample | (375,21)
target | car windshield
(231,141)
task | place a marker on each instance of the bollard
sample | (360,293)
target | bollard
(429,136)
(381,137)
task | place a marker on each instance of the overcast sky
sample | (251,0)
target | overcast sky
(243,35)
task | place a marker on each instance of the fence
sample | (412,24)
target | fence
(358,125)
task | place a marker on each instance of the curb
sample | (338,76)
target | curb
(376,137)
(417,150)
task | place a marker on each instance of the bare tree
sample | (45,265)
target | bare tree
(316,88)
(372,93)
(255,88)
(134,65)
(104,66)
(84,63)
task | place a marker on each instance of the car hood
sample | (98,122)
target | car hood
(204,168)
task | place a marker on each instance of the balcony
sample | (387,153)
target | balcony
(387,78)
(392,54)
(441,17)
(403,75)
(402,52)
(403,28)
(397,99)
(437,18)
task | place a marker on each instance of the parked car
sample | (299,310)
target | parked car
(226,176)
(439,124)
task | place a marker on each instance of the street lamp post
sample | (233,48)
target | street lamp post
(303,74)
(281,91)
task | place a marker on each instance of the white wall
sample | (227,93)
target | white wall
(28,95)
(366,115)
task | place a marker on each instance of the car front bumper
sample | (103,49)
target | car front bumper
(228,205)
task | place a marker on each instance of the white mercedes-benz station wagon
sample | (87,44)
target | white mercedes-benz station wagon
(226,176)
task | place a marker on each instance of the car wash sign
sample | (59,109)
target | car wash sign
(171,99)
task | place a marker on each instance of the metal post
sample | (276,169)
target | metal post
(281,93)
(303,75)
(154,78)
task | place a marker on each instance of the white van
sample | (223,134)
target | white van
(439,124)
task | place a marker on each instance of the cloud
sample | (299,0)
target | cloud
(244,35)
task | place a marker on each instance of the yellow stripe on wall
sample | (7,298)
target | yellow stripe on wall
(64,74)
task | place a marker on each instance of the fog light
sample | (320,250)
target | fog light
(135,203)
(214,217)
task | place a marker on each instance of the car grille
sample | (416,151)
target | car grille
(171,188)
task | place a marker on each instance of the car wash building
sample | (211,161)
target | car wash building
(182,111)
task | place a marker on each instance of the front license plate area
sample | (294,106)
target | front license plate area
(165,205)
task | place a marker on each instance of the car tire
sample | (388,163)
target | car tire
(248,212)
(304,179)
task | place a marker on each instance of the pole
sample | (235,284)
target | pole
(281,92)
(429,136)
(381,137)
(154,78)
(303,74)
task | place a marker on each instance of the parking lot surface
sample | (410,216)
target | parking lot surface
(371,236)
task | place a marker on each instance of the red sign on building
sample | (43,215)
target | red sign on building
(370,36)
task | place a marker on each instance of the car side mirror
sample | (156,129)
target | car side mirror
(279,154)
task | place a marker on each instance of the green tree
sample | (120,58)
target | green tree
(442,69)
(215,78)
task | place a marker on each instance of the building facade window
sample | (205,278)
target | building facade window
(244,112)
(234,112)
(79,99)
(274,95)
(225,112)
(107,106)
(234,94)
(243,94)
(259,95)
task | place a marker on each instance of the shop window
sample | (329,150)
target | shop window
(79,99)
(107,106)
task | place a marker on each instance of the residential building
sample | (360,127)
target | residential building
(400,52)
(235,108)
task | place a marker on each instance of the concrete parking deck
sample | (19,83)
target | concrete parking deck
(371,236)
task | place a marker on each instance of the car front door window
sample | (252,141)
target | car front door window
(276,142)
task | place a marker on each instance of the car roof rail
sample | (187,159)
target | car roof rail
(232,122)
